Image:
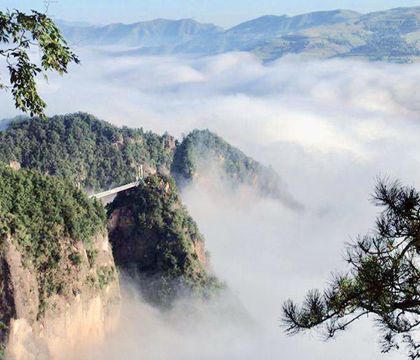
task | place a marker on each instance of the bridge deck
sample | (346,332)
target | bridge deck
(115,190)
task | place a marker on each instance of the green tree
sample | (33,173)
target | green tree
(383,279)
(20,33)
(164,243)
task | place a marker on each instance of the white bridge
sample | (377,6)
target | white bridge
(115,190)
(139,176)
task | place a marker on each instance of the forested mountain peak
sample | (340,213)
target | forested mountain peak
(202,151)
(96,155)
(88,151)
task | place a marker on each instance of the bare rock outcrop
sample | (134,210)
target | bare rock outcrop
(79,316)
(59,289)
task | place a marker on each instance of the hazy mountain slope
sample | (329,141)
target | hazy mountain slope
(5,123)
(204,154)
(404,20)
(389,35)
(392,35)
(275,25)
(157,33)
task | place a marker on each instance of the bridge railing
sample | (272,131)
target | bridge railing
(115,190)
(139,177)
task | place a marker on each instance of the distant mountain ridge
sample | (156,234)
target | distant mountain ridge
(157,32)
(391,35)
(283,24)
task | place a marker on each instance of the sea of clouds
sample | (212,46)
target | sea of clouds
(329,128)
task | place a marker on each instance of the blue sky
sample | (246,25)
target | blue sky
(221,12)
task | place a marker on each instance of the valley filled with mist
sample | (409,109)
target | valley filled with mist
(329,128)
(305,140)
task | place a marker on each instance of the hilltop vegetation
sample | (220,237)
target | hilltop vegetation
(392,35)
(202,152)
(45,217)
(83,149)
(155,239)
(96,155)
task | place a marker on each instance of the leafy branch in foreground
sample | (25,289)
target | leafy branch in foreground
(21,33)
(383,280)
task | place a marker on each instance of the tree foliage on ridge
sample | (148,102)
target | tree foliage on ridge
(83,149)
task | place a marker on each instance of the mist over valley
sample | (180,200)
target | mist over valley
(252,156)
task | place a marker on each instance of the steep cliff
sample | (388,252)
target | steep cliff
(58,281)
(156,241)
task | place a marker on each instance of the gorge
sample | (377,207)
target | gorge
(59,280)
(253,155)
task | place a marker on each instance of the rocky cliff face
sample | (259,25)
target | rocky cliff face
(58,282)
(59,286)
(59,289)
(76,317)
(156,241)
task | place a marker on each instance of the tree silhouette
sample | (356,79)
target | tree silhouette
(383,279)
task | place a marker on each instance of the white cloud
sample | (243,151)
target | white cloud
(327,127)
(326,106)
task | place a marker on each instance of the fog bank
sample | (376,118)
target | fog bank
(329,128)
